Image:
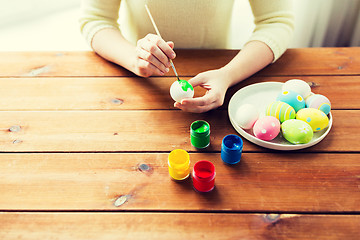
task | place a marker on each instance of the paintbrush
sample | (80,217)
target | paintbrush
(158,33)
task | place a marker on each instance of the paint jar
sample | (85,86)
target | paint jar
(200,134)
(203,176)
(231,149)
(179,164)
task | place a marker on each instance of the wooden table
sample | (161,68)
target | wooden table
(84,147)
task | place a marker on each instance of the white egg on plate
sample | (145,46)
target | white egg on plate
(297,85)
(181,89)
(246,116)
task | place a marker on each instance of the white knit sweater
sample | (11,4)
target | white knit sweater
(189,23)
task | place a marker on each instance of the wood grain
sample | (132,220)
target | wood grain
(316,61)
(295,62)
(272,182)
(139,131)
(76,129)
(138,93)
(101,226)
(54,64)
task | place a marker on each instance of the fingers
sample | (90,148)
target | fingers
(198,105)
(171,44)
(148,60)
(146,69)
(156,51)
(157,43)
(199,80)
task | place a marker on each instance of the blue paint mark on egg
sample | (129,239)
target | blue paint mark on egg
(308,119)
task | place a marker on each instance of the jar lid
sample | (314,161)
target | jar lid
(179,159)
(204,170)
(232,142)
(200,128)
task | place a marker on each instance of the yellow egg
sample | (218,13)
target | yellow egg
(314,117)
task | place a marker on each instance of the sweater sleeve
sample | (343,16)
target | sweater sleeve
(96,15)
(274,24)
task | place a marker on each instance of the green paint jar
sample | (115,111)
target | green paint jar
(200,134)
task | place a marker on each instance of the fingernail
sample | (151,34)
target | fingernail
(173,55)
(167,69)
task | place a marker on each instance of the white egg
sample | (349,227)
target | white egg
(299,86)
(311,94)
(180,90)
(246,116)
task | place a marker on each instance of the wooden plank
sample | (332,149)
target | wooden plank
(35,64)
(317,61)
(86,93)
(138,93)
(272,182)
(176,226)
(121,131)
(112,131)
(295,62)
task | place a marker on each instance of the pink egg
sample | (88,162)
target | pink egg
(266,128)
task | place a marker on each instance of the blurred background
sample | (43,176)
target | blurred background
(52,25)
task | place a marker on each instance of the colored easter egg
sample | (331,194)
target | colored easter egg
(297,131)
(246,116)
(266,128)
(281,111)
(320,102)
(298,86)
(292,98)
(314,117)
(180,90)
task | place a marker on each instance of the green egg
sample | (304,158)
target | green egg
(297,131)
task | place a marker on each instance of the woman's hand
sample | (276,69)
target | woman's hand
(216,83)
(152,56)
(254,56)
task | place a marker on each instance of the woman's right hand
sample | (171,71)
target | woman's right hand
(153,56)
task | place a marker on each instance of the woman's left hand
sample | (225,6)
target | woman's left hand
(216,84)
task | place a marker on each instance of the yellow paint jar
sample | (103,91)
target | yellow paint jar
(179,164)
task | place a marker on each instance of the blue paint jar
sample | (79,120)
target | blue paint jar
(231,149)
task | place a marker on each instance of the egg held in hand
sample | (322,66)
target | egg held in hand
(181,89)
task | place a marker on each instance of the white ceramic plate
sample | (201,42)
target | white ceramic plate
(261,95)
